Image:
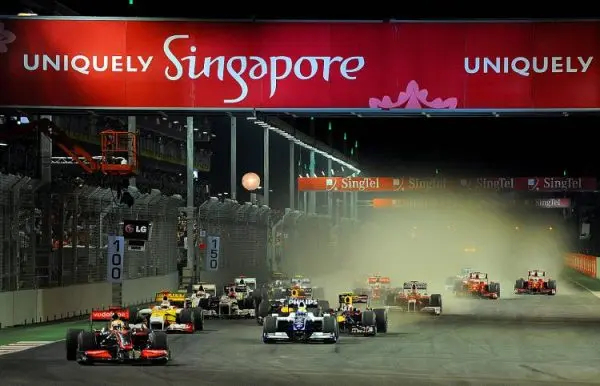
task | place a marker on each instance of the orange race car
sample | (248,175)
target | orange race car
(414,298)
(536,284)
(477,285)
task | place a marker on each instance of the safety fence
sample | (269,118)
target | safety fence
(55,235)
(243,230)
(311,244)
(256,240)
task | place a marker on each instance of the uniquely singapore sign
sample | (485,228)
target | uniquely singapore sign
(85,63)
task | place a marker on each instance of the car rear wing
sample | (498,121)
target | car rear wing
(478,276)
(106,315)
(300,281)
(171,296)
(352,299)
(247,280)
(295,293)
(416,285)
(379,279)
(536,273)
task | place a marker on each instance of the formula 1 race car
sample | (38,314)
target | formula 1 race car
(356,317)
(300,326)
(414,298)
(477,285)
(378,289)
(131,343)
(290,304)
(299,281)
(536,283)
(204,296)
(232,308)
(171,315)
(455,282)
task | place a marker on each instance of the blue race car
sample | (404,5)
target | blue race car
(300,326)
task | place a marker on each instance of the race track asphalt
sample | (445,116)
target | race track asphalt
(512,341)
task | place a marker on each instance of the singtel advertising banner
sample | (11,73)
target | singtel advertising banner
(400,184)
(553,203)
(85,63)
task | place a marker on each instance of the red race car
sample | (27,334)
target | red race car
(536,284)
(117,342)
(414,298)
(379,287)
(476,284)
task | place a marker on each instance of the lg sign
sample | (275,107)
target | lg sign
(136,229)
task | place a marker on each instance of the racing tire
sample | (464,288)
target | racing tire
(520,284)
(495,288)
(435,300)
(198,318)
(368,319)
(264,308)
(86,341)
(157,340)
(552,286)
(185,316)
(204,304)
(330,326)
(71,343)
(381,320)
(269,327)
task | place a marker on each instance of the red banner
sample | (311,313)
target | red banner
(584,264)
(553,203)
(173,64)
(400,184)
(369,184)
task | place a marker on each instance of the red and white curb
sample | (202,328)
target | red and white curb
(22,346)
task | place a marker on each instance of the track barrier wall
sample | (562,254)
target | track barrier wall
(53,253)
(50,304)
(584,264)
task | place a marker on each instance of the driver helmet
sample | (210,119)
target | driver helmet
(301,307)
(165,303)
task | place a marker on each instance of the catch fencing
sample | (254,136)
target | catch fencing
(58,237)
(244,233)
(312,244)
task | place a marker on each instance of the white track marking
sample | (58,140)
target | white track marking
(595,293)
(22,346)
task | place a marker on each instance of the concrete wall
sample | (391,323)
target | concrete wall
(136,291)
(34,306)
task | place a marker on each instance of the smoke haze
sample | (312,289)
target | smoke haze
(432,245)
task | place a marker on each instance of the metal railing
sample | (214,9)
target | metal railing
(58,238)
(244,239)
